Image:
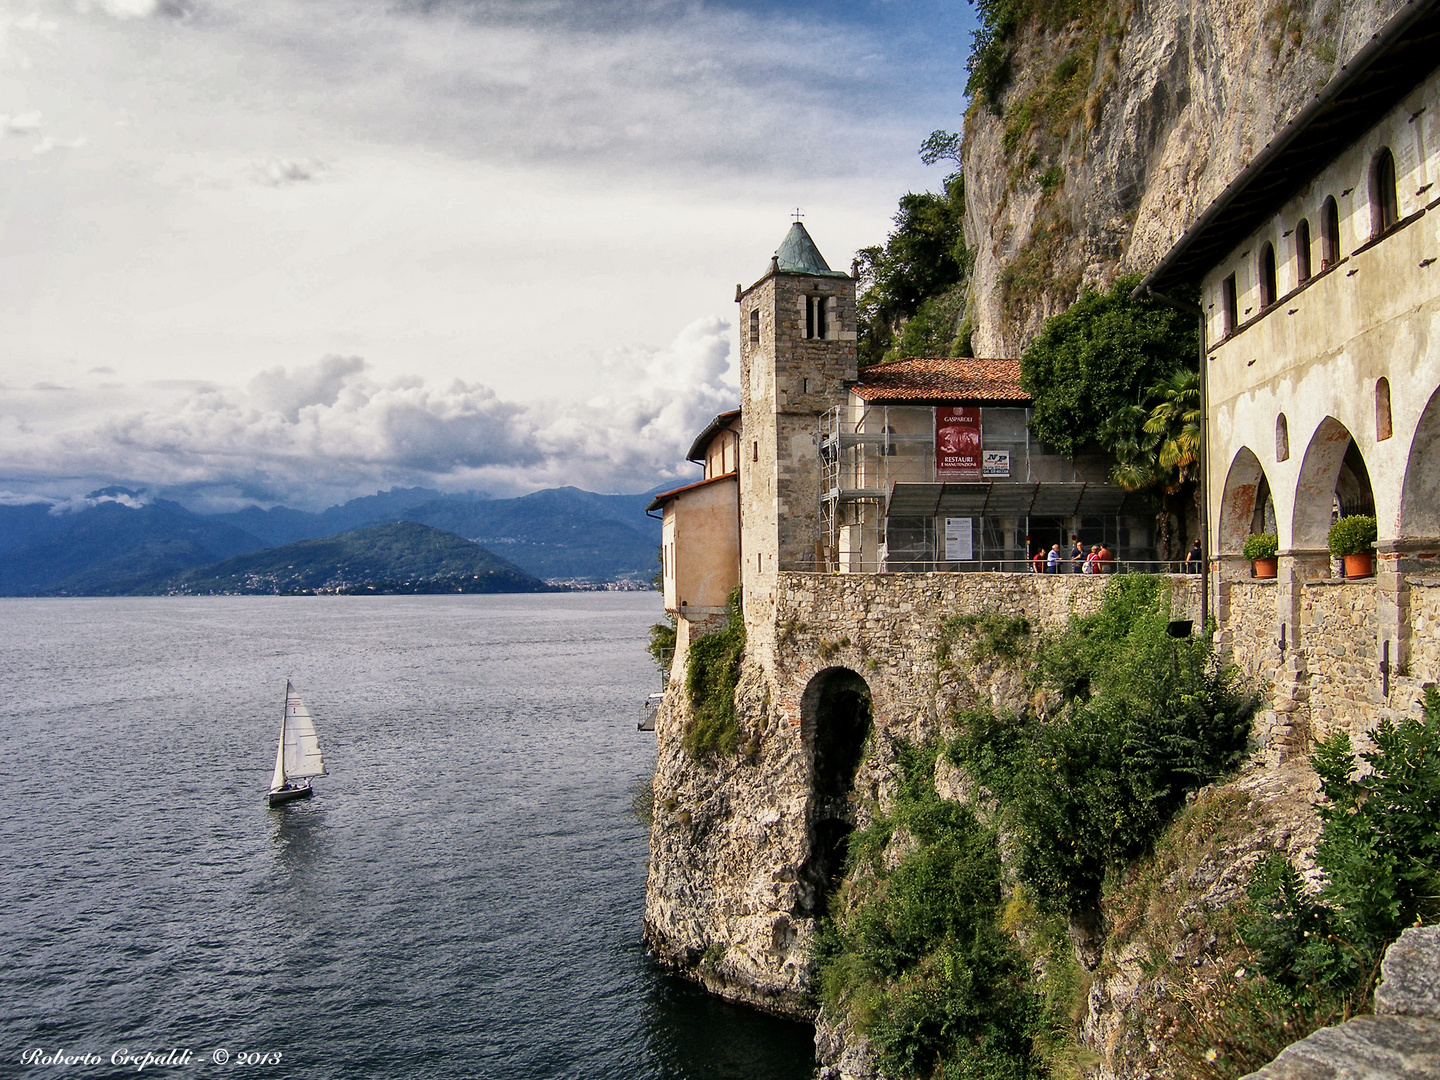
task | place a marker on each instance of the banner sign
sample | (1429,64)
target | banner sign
(996,463)
(957,443)
(959,539)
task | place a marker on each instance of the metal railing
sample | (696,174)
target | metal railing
(986,566)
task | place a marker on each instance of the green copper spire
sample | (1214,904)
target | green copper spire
(799,255)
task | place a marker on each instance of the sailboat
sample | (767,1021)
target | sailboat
(298,757)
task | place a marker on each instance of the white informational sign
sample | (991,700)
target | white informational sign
(995,463)
(959,539)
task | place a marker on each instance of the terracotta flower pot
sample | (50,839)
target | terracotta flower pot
(1359,566)
(1265,568)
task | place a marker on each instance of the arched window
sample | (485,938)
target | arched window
(1383,429)
(1329,234)
(1282,438)
(1384,204)
(815,317)
(1268,288)
(1230,304)
(1302,252)
(755,326)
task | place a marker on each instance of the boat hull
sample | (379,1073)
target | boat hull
(289,794)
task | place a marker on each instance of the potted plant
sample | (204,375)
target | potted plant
(1261,549)
(1354,538)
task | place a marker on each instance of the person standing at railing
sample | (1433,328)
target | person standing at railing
(1037,561)
(1077,555)
(1052,560)
(1106,563)
(1092,561)
(1193,558)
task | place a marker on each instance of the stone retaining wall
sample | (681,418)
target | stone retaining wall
(1337,631)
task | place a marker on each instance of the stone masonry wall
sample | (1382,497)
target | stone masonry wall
(1338,627)
(731,895)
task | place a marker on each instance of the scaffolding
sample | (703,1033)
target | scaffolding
(882,499)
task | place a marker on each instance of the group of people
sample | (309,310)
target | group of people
(1098,560)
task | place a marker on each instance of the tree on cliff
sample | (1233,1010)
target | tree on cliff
(1094,363)
(912,299)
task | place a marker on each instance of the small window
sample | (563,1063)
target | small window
(1231,300)
(755,326)
(1302,252)
(1384,204)
(1383,428)
(755,451)
(1329,234)
(1282,438)
(1268,287)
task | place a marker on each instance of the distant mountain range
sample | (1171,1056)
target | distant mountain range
(399,558)
(118,543)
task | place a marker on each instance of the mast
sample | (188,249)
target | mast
(277,781)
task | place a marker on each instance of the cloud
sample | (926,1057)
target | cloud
(281,172)
(315,433)
(20,123)
(133,499)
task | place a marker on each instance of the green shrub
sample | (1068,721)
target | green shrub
(1353,535)
(993,636)
(1379,850)
(1261,546)
(712,671)
(1140,719)
(916,951)
(661,646)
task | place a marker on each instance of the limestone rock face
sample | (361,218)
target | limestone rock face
(1410,975)
(728,902)
(1077,180)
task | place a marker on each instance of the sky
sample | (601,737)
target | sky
(294,251)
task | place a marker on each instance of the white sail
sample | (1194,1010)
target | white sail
(300,746)
(277,781)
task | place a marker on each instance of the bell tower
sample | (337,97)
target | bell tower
(797,358)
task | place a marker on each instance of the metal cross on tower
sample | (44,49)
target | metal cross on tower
(796,214)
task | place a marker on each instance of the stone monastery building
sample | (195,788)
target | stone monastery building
(858,510)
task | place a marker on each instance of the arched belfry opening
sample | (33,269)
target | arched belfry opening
(836,720)
(1334,482)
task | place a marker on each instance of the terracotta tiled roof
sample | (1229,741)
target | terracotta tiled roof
(666,496)
(941,380)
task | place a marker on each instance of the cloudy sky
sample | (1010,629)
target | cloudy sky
(299,250)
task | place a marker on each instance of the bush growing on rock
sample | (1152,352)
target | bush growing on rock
(712,671)
(914,950)
(1379,849)
(1139,720)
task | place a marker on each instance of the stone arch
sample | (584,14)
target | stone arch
(1332,473)
(1420,493)
(836,717)
(1246,491)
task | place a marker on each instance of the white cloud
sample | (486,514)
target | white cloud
(319,432)
(20,123)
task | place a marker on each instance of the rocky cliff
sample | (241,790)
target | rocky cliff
(1120,122)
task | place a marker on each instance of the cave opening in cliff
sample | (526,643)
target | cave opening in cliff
(836,714)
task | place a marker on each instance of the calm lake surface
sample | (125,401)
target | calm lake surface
(462,897)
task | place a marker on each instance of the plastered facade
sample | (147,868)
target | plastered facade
(1351,353)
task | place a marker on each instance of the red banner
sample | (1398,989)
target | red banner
(957,443)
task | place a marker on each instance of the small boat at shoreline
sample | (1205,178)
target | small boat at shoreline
(298,756)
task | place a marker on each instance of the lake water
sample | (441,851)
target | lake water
(461,898)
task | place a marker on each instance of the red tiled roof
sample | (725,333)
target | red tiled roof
(674,493)
(958,380)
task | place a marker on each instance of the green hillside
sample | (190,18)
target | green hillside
(399,558)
